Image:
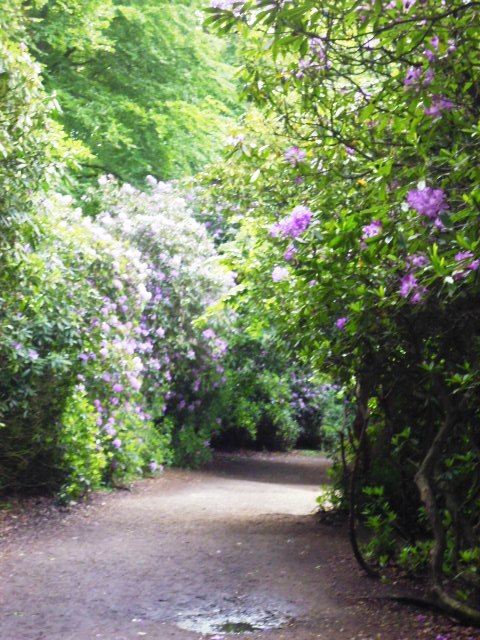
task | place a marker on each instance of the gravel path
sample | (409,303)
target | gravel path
(181,556)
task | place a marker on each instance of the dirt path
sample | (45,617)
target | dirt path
(233,543)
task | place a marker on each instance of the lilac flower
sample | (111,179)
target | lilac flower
(474,266)
(371,230)
(316,47)
(416,260)
(438,105)
(208,334)
(33,355)
(428,78)
(117,387)
(428,202)
(17,346)
(463,255)
(153,467)
(289,253)
(340,323)
(429,54)
(280,273)
(418,295)
(412,77)
(117,443)
(350,151)
(294,155)
(407,284)
(105,327)
(295,224)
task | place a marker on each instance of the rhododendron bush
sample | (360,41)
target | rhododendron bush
(103,361)
(359,238)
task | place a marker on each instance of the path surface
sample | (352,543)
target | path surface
(234,540)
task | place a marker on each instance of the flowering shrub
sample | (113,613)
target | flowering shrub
(382,291)
(182,358)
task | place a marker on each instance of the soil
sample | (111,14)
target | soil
(232,551)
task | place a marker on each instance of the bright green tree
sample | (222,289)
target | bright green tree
(141,84)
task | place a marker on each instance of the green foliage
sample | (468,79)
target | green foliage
(140,84)
(372,137)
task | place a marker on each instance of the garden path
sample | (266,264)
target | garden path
(234,542)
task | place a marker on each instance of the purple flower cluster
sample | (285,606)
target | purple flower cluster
(293,225)
(290,253)
(295,156)
(410,288)
(428,202)
(467,262)
(409,285)
(371,230)
(438,104)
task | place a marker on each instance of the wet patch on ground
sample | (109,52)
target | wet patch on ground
(230,622)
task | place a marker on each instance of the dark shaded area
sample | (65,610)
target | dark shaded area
(276,469)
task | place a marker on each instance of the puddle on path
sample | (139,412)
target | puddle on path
(231,622)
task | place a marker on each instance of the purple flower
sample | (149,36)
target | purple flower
(412,77)
(280,273)
(371,230)
(429,54)
(438,105)
(208,334)
(418,295)
(474,266)
(407,284)
(289,253)
(117,387)
(295,155)
(416,260)
(428,78)
(428,202)
(463,255)
(153,467)
(341,323)
(33,355)
(295,224)
(117,443)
